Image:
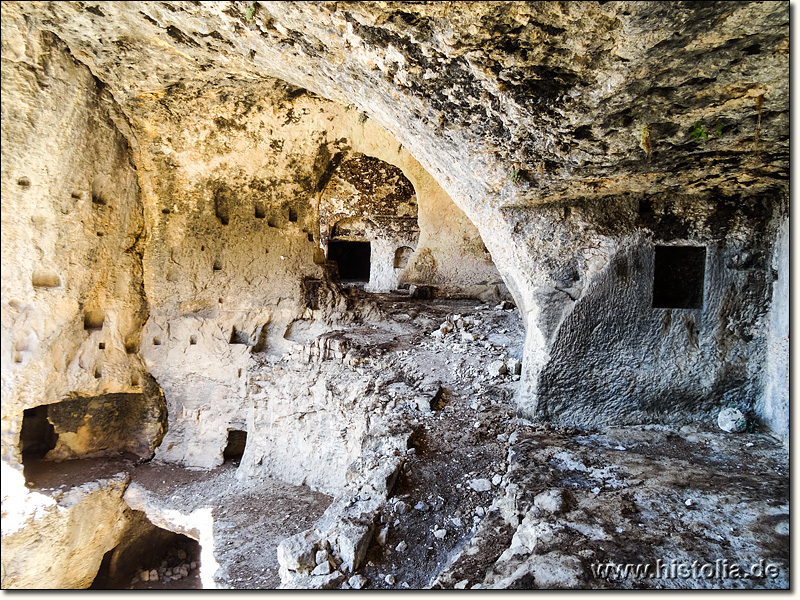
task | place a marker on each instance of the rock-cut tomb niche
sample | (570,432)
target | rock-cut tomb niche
(368,222)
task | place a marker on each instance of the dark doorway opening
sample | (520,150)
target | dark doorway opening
(678,276)
(150,557)
(38,436)
(352,259)
(237,441)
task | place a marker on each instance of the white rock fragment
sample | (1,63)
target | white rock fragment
(461,584)
(357,582)
(480,485)
(595,490)
(689,502)
(401,547)
(390,579)
(421,506)
(466,336)
(514,366)
(731,420)
(496,480)
(322,569)
(439,533)
(497,368)
(552,501)
(382,535)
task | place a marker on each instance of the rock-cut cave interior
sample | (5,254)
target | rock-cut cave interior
(409,295)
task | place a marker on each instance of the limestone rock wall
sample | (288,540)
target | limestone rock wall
(621,329)
(232,204)
(309,433)
(58,541)
(368,200)
(517,110)
(73,302)
(773,406)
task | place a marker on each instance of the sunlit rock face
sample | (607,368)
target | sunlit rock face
(164,165)
(73,227)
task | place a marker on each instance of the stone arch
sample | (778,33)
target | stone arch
(512,147)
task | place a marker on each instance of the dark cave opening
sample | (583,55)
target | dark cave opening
(352,259)
(38,436)
(171,560)
(234,450)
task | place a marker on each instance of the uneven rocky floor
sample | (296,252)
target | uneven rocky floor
(484,500)
(249,521)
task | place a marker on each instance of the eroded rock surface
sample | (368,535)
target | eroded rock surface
(201,200)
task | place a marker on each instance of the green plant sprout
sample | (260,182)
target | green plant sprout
(362,117)
(348,107)
(251,11)
(515,176)
(699,131)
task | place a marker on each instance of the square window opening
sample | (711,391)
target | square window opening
(679,276)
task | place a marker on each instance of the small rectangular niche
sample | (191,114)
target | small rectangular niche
(646,207)
(93,320)
(259,211)
(679,276)
(221,206)
(45,278)
(292,214)
(239,337)
(401,257)
(217,265)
